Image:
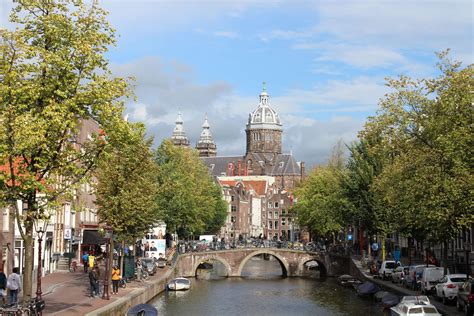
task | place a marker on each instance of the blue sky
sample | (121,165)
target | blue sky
(324,62)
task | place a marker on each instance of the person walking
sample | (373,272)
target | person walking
(94,281)
(14,286)
(85,261)
(115,279)
(3,285)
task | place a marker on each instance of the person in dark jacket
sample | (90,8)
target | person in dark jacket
(94,281)
(3,285)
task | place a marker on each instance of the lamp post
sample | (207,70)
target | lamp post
(108,235)
(40,229)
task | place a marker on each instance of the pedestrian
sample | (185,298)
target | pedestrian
(375,249)
(14,285)
(139,270)
(85,261)
(91,261)
(3,285)
(94,281)
(115,279)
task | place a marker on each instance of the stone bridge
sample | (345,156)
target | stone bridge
(292,262)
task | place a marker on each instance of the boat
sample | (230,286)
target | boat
(417,299)
(367,288)
(179,284)
(390,300)
(142,309)
(414,308)
(348,280)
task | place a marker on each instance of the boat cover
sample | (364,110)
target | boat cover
(390,300)
(367,288)
(142,310)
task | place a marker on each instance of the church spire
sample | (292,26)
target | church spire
(179,135)
(206,145)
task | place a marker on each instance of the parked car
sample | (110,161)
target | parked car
(465,299)
(398,275)
(448,286)
(430,277)
(149,265)
(412,280)
(386,269)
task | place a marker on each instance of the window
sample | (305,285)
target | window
(270,225)
(276,224)
(233,219)
(283,221)
(283,212)
(282,164)
(233,208)
(270,204)
(276,204)
(232,198)
(269,214)
(276,214)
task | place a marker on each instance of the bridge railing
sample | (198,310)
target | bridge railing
(197,246)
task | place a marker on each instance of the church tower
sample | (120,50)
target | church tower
(264,128)
(206,145)
(179,135)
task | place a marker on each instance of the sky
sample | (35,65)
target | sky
(324,62)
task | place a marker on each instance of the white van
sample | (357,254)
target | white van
(430,278)
(386,269)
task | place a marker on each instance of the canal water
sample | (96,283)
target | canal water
(263,291)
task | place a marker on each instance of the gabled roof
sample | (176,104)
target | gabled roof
(258,186)
(218,165)
(285,164)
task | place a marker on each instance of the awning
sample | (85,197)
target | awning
(92,237)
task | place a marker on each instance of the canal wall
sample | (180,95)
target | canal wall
(141,295)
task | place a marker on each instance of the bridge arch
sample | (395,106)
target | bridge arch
(283,262)
(211,258)
(322,268)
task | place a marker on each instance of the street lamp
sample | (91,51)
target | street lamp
(40,229)
(108,235)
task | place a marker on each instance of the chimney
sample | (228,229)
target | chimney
(302,169)
(239,163)
(233,168)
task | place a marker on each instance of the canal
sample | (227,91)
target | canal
(263,291)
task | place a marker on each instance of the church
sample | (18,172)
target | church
(257,185)
(263,155)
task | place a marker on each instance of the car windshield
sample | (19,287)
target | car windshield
(458,279)
(390,265)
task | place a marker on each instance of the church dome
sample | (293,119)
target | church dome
(264,116)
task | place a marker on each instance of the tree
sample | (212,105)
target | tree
(321,206)
(425,126)
(53,77)
(187,198)
(126,187)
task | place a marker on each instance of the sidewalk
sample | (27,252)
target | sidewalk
(68,293)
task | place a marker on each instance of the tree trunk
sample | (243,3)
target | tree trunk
(28,263)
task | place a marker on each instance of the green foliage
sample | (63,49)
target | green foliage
(425,130)
(321,206)
(54,76)
(187,198)
(126,186)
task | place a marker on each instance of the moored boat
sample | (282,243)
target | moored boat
(414,308)
(179,284)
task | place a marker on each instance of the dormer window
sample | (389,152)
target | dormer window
(262,163)
(282,164)
(211,166)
